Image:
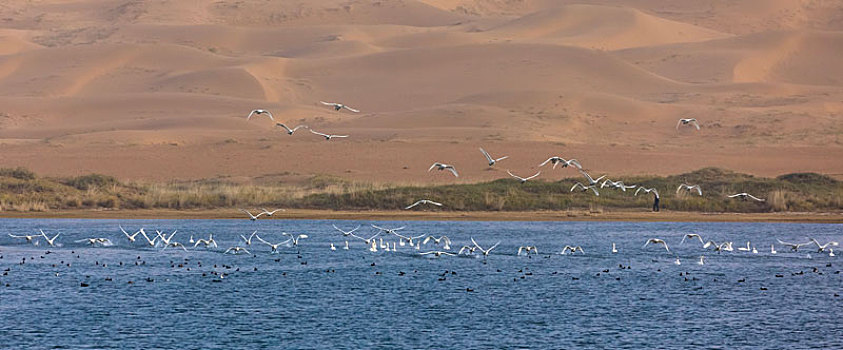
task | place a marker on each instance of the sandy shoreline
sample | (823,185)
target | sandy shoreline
(459,216)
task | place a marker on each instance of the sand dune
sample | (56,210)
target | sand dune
(121,87)
(602,28)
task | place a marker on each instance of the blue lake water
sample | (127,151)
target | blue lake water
(311,297)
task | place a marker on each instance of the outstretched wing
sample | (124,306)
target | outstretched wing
(350,109)
(755,198)
(695,123)
(545,162)
(285,127)
(412,205)
(536,174)
(453,171)
(318,133)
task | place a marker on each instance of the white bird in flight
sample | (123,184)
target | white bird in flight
(269,213)
(423,201)
(725,246)
(820,247)
(290,131)
(657,241)
(443,166)
(28,238)
(559,160)
(326,136)
(207,242)
(295,239)
(236,250)
(617,184)
(166,240)
(647,190)
(339,106)
(441,239)
(346,233)
(52,241)
(151,242)
(259,112)
(369,240)
(131,237)
(591,181)
(527,249)
(690,188)
(484,251)
(745,195)
(571,249)
(585,188)
(686,121)
(252,217)
(523,179)
(274,247)
(490,159)
(691,236)
(248,241)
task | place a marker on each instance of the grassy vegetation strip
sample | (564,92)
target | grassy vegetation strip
(22,190)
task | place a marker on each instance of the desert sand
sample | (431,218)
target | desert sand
(158,90)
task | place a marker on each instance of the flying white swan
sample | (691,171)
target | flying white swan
(151,242)
(657,241)
(248,241)
(50,241)
(259,112)
(436,241)
(28,238)
(585,188)
(274,247)
(389,230)
(443,166)
(690,188)
(174,244)
(793,246)
(326,136)
(165,240)
(591,181)
(469,250)
(822,247)
(725,246)
(523,179)
(295,239)
(686,121)
(617,184)
(131,237)
(490,159)
(346,233)
(484,251)
(367,240)
(207,242)
(290,131)
(339,106)
(252,217)
(527,249)
(571,249)
(96,241)
(559,160)
(691,236)
(647,190)
(423,201)
(236,250)
(269,213)
(745,195)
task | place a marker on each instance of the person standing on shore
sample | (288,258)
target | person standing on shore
(655,201)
